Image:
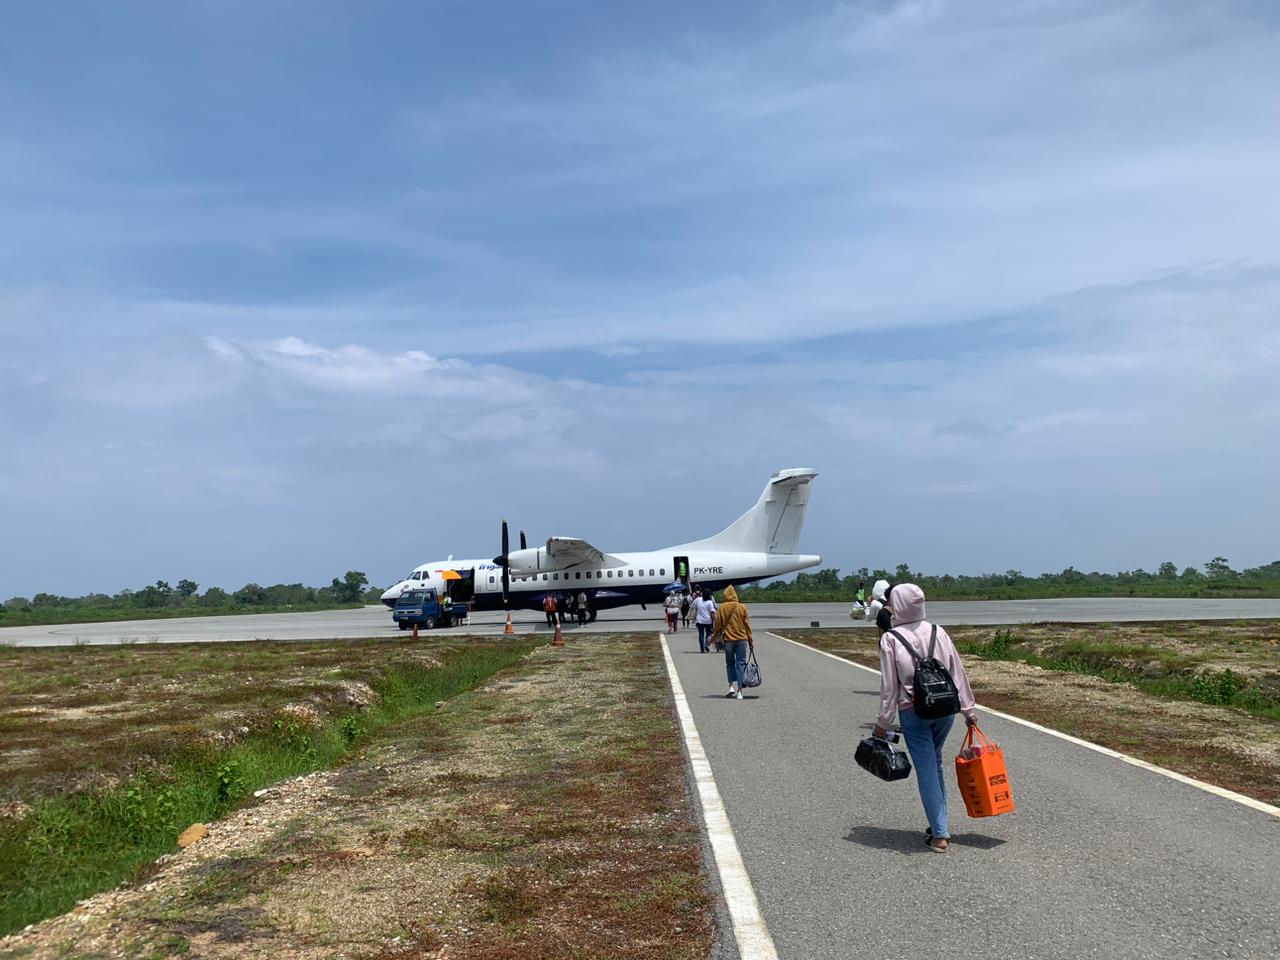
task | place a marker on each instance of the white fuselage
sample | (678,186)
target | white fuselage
(759,544)
(640,578)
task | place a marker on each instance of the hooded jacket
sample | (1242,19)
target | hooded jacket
(898,669)
(878,590)
(732,621)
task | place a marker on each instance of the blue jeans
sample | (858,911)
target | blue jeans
(924,742)
(735,660)
(704,636)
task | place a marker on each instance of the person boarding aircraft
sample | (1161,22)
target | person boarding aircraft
(759,544)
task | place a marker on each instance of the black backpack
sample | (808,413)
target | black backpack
(932,689)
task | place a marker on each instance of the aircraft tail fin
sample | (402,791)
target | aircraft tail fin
(773,524)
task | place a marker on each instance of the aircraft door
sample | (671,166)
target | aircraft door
(464,590)
(680,565)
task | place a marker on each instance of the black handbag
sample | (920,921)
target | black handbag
(878,758)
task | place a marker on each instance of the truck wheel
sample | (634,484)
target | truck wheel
(430,622)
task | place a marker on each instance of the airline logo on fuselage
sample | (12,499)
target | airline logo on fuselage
(463,566)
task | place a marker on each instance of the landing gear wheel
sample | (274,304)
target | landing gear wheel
(429,623)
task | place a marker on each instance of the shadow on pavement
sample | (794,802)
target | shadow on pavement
(912,841)
(979,840)
(887,838)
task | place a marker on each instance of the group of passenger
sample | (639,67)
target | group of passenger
(899,614)
(696,601)
(561,605)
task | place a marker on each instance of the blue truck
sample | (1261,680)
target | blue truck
(424,608)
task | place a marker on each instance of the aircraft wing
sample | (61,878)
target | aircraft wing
(571,552)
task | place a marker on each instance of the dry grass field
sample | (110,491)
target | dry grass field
(539,813)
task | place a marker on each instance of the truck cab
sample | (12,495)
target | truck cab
(424,607)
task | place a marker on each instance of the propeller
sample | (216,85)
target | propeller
(503,561)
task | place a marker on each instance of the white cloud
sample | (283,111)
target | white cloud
(1018,258)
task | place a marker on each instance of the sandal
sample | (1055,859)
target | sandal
(937,844)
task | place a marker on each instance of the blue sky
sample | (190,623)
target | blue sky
(289,288)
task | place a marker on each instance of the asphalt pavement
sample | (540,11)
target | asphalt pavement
(1100,859)
(375,621)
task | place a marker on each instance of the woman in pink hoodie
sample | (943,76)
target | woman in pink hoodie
(924,737)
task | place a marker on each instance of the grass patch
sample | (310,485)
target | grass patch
(68,847)
(1154,670)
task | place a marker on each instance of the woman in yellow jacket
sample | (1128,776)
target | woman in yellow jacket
(733,629)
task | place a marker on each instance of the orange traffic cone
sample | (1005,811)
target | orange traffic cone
(558,639)
(510,630)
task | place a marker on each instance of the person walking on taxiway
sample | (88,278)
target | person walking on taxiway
(878,591)
(732,627)
(671,606)
(924,737)
(704,617)
(860,601)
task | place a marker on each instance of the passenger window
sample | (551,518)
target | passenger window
(555,576)
(544,576)
(491,579)
(578,575)
(663,571)
(610,573)
(631,573)
(651,571)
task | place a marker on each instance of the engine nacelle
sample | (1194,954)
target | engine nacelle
(525,563)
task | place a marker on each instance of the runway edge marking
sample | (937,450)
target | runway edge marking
(1223,792)
(749,929)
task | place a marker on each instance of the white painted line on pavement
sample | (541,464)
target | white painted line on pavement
(1223,792)
(749,929)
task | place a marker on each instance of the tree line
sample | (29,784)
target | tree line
(185,599)
(1215,579)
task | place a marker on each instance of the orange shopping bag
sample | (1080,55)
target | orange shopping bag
(984,782)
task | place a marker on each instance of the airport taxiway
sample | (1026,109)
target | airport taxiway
(1100,859)
(375,621)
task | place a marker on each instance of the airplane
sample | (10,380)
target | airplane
(759,544)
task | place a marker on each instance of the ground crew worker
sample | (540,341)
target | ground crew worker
(549,608)
(582,608)
(732,628)
(859,601)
